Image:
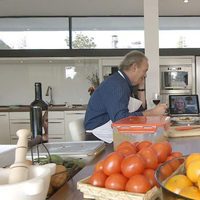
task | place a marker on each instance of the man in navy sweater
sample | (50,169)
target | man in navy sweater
(110,101)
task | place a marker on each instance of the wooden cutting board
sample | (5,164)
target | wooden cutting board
(173,132)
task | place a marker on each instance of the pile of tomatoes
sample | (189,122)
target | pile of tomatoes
(132,166)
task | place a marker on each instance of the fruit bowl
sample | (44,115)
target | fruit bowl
(162,178)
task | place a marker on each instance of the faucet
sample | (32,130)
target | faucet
(49,93)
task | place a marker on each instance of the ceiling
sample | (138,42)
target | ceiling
(93,7)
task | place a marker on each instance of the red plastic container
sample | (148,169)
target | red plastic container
(138,128)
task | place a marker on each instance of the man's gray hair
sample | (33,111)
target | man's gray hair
(133,57)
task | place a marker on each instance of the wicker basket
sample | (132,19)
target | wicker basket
(92,192)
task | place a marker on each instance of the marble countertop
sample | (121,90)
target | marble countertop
(56,107)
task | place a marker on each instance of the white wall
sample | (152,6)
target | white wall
(17,78)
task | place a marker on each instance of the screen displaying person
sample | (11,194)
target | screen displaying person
(180,106)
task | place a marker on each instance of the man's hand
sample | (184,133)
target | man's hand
(160,109)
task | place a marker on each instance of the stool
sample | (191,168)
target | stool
(77,130)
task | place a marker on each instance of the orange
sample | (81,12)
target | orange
(198,182)
(190,158)
(193,170)
(191,192)
(177,183)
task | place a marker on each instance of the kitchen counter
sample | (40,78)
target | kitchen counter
(69,191)
(56,107)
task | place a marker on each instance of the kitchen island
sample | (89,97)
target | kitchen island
(69,191)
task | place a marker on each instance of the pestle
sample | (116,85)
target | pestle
(19,170)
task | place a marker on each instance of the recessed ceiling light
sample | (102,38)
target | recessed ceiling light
(186,1)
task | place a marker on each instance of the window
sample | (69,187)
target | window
(179,32)
(95,32)
(34,33)
(107,32)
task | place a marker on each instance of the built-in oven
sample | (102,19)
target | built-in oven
(176,79)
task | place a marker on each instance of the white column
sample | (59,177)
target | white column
(151,35)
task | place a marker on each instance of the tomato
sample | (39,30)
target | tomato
(138,183)
(150,157)
(135,143)
(150,175)
(174,163)
(165,171)
(161,150)
(125,144)
(143,144)
(112,163)
(168,147)
(99,165)
(98,179)
(126,150)
(132,165)
(176,154)
(116,182)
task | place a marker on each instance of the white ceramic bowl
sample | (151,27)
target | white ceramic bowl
(35,188)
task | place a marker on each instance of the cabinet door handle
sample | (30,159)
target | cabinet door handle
(55,138)
(55,122)
(20,122)
(2,115)
(18,138)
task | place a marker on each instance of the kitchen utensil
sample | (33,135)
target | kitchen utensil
(162,178)
(137,128)
(186,128)
(79,149)
(21,181)
(7,155)
(19,170)
(34,188)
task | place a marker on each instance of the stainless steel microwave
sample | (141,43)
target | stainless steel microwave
(176,79)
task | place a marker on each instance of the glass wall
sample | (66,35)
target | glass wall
(107,32)
(34,33)
(95,32)
(179,32)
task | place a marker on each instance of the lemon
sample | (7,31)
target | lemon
(193,170)
(191,192)
(191,157)
(177,182)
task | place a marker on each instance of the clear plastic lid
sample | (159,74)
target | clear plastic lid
(141,124)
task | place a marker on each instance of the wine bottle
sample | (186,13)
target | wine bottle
(39,115)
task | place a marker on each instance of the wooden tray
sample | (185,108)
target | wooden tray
(92,192)
(172,132)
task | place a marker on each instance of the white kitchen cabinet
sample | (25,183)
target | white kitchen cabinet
(18,120)
(71,116)
(4,128)
(56,125)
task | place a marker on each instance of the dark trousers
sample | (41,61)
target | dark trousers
(90,136)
